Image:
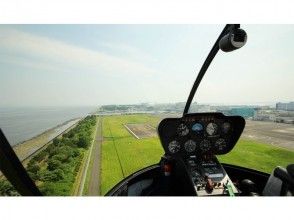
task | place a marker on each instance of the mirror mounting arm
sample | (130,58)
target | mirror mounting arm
(228,28)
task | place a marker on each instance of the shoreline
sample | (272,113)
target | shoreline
(26,149)
(29,147)
(44,132)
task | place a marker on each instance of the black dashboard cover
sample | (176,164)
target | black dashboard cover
(168,132)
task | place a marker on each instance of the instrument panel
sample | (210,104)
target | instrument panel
(200,134)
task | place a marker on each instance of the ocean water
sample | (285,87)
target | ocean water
(20,124)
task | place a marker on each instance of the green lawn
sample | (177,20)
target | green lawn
(135,154)
(258,156)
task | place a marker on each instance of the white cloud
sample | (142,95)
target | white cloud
(46,52)
(129,51)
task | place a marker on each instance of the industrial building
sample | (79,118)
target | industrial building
(285,106)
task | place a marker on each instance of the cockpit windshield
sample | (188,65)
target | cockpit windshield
(81,104)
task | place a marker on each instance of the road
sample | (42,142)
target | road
(93,157)
(94,182)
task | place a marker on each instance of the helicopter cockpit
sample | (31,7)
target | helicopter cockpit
(195,140)
(192,144)
(190,166)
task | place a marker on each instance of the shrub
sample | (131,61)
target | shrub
(39,157)
(67,141)
(71,134)
(78,164)
(34,176)
(32,162)
(34,168)
(53,152)
(75,153)
(83,142)
(56,141)
(52,189)
(52,176)
(6,189)
(62,157)
(48,189)
(53,164)
(59,174)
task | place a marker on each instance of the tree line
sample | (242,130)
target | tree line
(54,169)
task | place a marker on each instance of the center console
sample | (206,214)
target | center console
(209,177)
(195,140)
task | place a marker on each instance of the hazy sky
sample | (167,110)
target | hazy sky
(55,65)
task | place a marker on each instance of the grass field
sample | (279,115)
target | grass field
(120,147)
(122,154)
(259,156)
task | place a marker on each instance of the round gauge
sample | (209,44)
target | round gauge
(174,147)
(205,145)
(190,146)
(220,144)
(226,127)
(211,129)
(183,130)
(197,127)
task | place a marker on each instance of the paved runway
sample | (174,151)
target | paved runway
(278,134)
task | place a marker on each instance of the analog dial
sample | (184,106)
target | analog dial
(198,128)
(205,145)
(183,130)
(220,144)
(211,129)
(190,146)
(226,127)
(174,146)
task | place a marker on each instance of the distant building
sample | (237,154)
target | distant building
(285,106)
(264,115)
(246,112)
(199,108)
